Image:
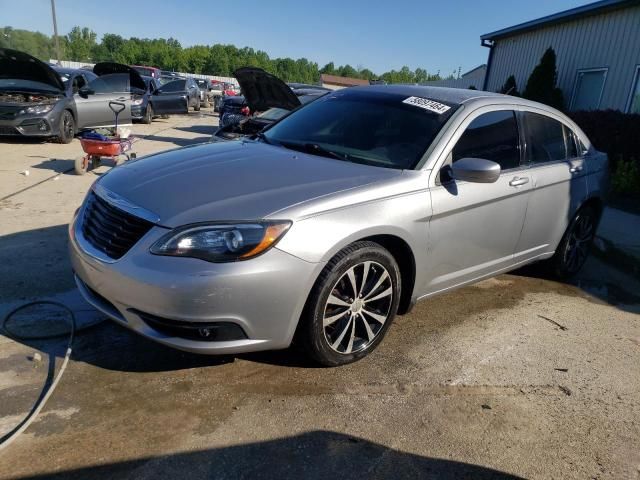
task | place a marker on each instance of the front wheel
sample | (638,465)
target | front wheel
(575,244)
(148,115)
(196,107)
(67,127)
(352,305)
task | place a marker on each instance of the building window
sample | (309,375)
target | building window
(588,89)
(634,98)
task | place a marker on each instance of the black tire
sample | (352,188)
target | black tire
(67,128)
(575,245)
(196,107)
(148,115)
(334,333)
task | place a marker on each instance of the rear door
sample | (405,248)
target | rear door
(475,227)
(556,167)
(170,98)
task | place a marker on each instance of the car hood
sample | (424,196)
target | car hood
(20,65)
(232,181)
(262,90)
(109,68)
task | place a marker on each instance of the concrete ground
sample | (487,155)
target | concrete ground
(517,376)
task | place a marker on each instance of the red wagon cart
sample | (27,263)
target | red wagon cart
(98,146)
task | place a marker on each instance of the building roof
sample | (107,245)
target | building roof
(342,81)
(561,17)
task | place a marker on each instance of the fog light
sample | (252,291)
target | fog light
(42,126)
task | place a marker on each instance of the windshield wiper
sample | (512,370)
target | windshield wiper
(264,138)
(314,149)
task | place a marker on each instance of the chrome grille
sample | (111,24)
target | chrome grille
(109,229)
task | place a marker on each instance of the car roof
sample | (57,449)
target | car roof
(444,94)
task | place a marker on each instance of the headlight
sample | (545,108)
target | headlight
(137,101)
(221,243)
(38,109)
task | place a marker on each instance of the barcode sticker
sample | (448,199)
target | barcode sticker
(427,104)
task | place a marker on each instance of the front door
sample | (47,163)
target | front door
(92,103)
(475,227)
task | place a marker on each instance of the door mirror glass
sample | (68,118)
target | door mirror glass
(477,170)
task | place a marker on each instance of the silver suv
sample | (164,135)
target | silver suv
(341,215)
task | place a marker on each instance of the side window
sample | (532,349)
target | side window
(545,139)
(492,136)
(571,141)
(78,83)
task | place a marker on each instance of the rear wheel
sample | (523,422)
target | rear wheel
(352,305)
(67,127)
(575,244)
(196,107)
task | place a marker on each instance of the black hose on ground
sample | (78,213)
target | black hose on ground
(7,439)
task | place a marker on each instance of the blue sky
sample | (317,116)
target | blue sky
(379,35)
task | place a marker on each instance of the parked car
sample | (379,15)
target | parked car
(206,95)
(177,96)
(39,100)
(268,98)
(216,93)
(142,107)
(166,77)
(152,72)
(338,217)
(232,104)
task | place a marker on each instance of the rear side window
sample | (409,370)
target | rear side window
(571,140)
(545,139)
(492,136)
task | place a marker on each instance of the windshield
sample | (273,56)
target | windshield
(174,86)
(359,126)
(203,84)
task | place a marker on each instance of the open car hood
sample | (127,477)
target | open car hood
(108,68)
(263,91)
(20,65)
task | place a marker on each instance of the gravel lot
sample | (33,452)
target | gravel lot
(517,376)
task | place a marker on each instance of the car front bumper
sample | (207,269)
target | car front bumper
(263,296)
(44,125)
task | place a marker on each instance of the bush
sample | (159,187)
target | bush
(617,134)
(541,86)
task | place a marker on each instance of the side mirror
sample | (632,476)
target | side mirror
(84,92)
(477,170)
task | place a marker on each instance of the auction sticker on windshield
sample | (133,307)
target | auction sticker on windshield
(427,104)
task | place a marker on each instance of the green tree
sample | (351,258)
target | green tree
(81,43)
(541,85)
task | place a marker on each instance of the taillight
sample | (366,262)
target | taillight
(245,111)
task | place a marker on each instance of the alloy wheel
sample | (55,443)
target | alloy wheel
(579,242)
(358,307)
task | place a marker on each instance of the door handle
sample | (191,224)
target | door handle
(121,99)
(576,169)
(519,181)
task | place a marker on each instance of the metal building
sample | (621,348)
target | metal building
(597,54)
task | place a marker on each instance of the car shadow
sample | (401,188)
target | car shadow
(199,129)
(313,455)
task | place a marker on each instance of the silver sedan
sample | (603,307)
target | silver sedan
(324,227)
